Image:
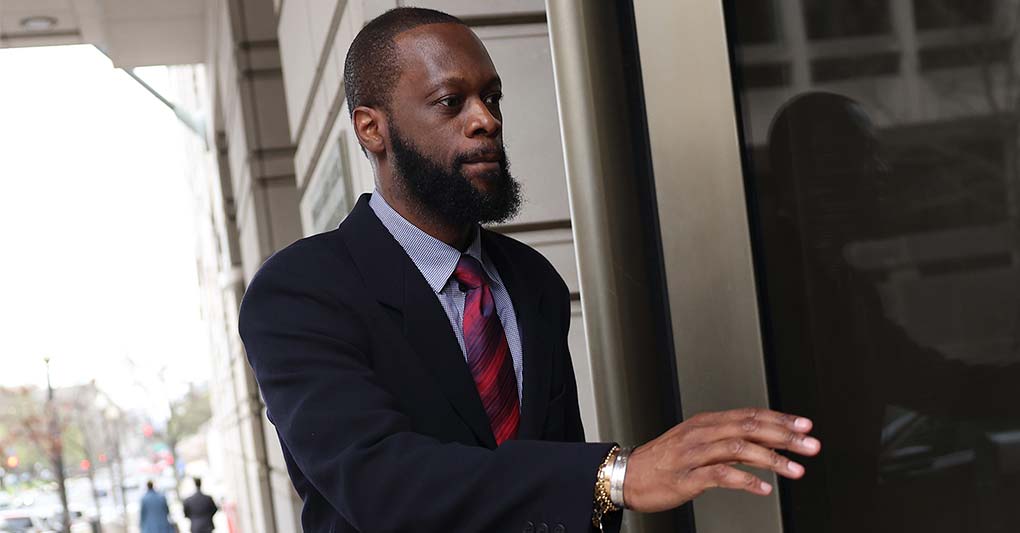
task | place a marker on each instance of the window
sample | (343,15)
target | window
(941,14)
(833,19)
(887,258)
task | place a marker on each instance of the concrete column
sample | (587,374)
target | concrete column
(260,204)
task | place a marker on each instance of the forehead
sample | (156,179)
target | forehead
(434,53)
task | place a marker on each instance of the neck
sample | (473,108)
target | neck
(456,235)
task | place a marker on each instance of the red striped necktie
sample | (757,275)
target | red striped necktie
(488,354)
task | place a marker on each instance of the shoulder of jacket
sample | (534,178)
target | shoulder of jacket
(309,250)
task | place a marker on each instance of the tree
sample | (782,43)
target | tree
(187,415)
(29,418)
(91,436)
(80,431)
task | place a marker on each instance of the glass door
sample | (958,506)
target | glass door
(880,149)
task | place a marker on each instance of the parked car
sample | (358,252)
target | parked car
(20,522)
(79,522)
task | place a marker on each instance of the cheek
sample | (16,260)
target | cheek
(436,140)
(442,157)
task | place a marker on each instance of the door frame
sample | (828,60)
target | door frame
(705,235)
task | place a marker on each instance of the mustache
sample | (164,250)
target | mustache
(484,153)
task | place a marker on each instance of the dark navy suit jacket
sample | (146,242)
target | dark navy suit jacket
(381,425)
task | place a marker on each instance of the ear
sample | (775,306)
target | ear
(370,127)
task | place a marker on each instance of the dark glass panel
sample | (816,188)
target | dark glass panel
(759,25)
(831,19)
(940,14)
(966,55)
(764,75)
(858,66)
(886,217)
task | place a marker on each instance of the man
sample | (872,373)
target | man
(199,508)
(416,366)
(154,512)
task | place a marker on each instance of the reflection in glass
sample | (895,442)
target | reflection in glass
(938,14)
(886,211)
(759,23)
(829,19)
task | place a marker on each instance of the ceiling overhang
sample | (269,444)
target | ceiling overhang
(133,33)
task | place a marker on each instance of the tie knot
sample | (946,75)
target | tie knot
(469,272)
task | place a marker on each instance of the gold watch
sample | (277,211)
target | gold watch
(603,502)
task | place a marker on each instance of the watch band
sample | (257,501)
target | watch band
(603,501)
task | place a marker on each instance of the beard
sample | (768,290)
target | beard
(447,194)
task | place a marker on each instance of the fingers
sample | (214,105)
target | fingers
(769,428)
(727,477)
(793,422)
(765,433)
(730,451)
(698,454)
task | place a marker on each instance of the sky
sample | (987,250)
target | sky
(97,252)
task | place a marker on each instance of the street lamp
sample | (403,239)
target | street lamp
(112,416)
(57,448)
(49,386)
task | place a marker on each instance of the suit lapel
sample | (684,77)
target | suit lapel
(398,284)
(536,339)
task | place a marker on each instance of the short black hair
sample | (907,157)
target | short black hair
(372,67)
(149,484)
(198,482)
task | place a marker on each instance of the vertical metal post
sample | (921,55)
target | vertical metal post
(695,151)
(615,229)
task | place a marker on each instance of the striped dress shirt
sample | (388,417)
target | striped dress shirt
(436,261)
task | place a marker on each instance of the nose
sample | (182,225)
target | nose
(481,120)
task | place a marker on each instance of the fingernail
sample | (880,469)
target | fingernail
(811,443)
(795,468)
(802,423)
(765,487)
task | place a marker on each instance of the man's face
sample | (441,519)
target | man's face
(445,127)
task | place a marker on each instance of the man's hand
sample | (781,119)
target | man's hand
(696,455)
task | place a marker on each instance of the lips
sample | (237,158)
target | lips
(485,158)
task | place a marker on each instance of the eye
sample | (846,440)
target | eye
(450,101)
(493,98)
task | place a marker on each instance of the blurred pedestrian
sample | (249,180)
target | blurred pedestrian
(154,512)
(200,508)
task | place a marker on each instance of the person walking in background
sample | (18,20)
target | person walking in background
(154,512)
(200,508)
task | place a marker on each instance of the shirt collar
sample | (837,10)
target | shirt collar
(435,259)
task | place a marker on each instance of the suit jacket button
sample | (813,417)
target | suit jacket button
(542,528)
(529,527)
(559,529)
